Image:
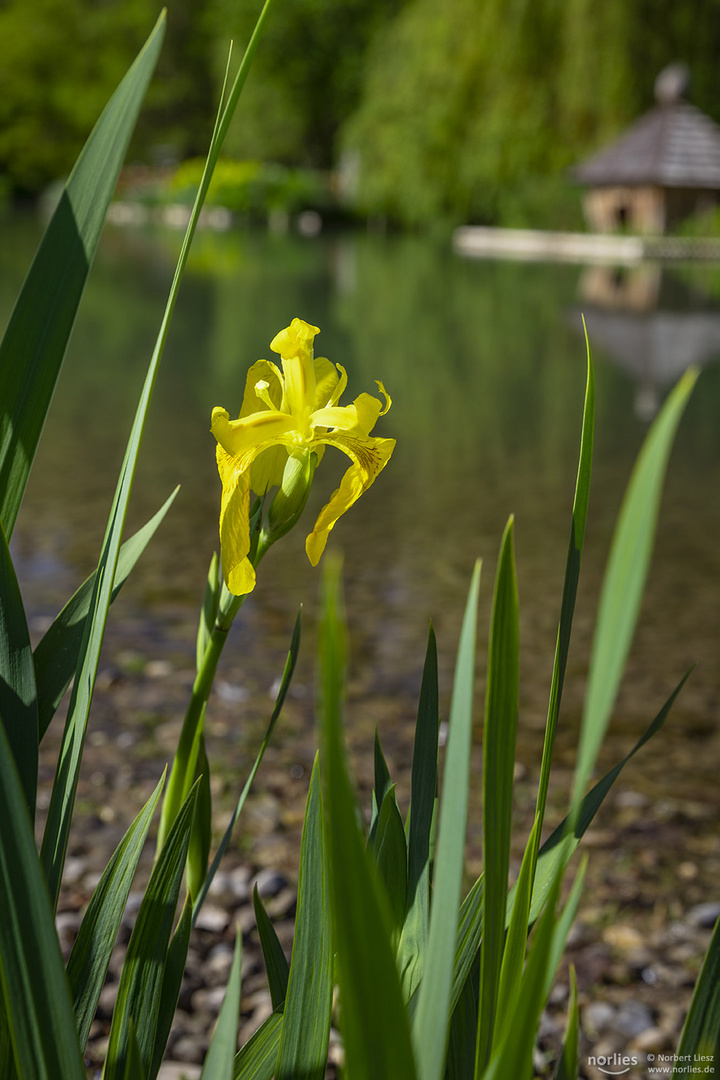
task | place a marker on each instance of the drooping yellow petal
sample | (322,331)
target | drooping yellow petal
(268,467)
(369,457)
(238,571)
(295,345)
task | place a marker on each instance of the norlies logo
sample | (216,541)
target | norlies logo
(615,1064)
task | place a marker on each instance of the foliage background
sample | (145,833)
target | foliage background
(432,109)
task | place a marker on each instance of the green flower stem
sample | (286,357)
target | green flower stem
(183,769)
(182,775)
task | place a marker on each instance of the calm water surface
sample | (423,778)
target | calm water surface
(486,366)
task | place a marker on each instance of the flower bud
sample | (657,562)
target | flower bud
(290,498)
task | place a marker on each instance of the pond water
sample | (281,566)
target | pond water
(485,362)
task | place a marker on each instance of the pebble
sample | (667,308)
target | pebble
(67,924)
(651,1040)
(623,938)
(597,1017)
(208,1000)
(704,915)
(178,1070)
(212,918)
(190,1048)
(269,882)
(633,1017)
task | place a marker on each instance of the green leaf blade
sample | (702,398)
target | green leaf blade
(390,850)
(423,800)
(432,1018)
(32,350)
(701,1032)
(32,976)
(139,992)
(258,1057)
(18,692)
(88,962)
(276,965)
(624,580)
(56,653)
(374,1022)
(501,712)
(220,1057)
(308,1004)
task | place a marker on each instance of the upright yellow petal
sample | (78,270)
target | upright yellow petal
(369,457)
(328,383)
(262,371)
(295,345)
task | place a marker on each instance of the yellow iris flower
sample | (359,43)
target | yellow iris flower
(292,413)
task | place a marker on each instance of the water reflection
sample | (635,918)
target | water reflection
(652,324)
(487,377)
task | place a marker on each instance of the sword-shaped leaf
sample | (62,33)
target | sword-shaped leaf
(90,956)
(308,1004)
(32,350)
(18,694)
(35,993)
(432,1018)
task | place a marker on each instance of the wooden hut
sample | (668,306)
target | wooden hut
(665,167)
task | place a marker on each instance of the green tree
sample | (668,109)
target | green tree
(60,61)
(475,110)
(306,76)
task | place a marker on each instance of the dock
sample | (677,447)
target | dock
(535,245)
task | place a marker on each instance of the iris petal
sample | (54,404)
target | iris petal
(238,571)
(369,457)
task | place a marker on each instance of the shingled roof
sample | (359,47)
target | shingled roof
(674,145)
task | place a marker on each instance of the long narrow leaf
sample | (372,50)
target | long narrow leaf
(90,956)
(18,694)
(556,849)
(308,1004)
(514,955)
(139,992)
(62,800)
(171,984)
(514,1054)
(276,965)
(134,1068)
(559,847)
(701,1034)
(36,338)
(221,1054)
(56,653)
(463,1031)
(374,1023)
(624,579)
(570,587)
(258,1057)
(432,1020)
(501,711)
(423,796)
(389,847)
(567,1066)
(35,992)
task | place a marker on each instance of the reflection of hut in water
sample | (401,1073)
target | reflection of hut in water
(650,323)
(664,168)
